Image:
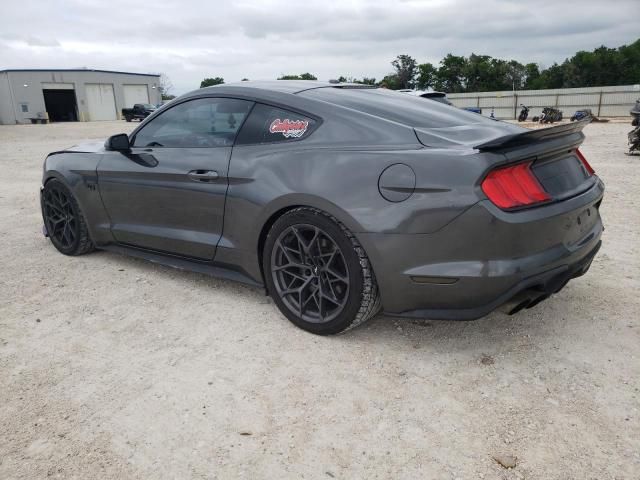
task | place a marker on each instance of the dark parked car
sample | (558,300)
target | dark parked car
(140,111)
(340,200)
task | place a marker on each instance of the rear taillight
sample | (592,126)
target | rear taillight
(514,186)
(588,167)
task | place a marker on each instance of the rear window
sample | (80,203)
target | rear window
(267,124)
(399,107)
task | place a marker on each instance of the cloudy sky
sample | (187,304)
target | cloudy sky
(192,39)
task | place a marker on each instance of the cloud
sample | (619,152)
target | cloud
(193,39)
(41,42)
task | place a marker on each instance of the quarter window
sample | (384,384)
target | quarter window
(204,122)
(268,124)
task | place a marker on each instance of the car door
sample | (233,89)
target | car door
(167,193)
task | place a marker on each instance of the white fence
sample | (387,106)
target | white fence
(603,101)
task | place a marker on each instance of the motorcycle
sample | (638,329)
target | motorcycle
(550,115)
(634,141)
(635,113)
(524,113)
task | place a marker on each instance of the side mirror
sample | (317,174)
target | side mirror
(119,142)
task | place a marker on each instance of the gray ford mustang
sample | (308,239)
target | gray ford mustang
(341,200)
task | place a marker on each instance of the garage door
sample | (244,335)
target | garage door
(57,86)
(135,94)
(101,102)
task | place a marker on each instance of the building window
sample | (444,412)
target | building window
(24,107)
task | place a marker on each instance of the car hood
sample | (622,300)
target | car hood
(87,147)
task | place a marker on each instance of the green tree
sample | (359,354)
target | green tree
(532,72)
(516,74)
(366,81)
(478,73)
(302,76)
(482,73)
(451,74)
(601,67)
(210,82)
(552,77)
(391,81)
(406,69)
(629,59)
(363,81)
(426,76)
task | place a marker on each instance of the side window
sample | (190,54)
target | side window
(268,124)
(204,122)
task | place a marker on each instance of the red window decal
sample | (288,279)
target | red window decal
(289,128)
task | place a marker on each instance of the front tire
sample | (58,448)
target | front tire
(63,220)
(318,274)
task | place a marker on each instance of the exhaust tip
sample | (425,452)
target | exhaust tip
(520,306)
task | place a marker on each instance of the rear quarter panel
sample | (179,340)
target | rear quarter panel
(264,180)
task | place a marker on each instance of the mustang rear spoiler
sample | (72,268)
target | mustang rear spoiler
(532,136)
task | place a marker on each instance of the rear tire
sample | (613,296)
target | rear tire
(318,274)
(63,220)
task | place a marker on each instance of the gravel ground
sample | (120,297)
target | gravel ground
(113,368)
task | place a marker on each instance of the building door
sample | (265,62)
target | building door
(135,94)
(101,102)
(60,102)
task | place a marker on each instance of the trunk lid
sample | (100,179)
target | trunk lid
(554,156)
(551,151)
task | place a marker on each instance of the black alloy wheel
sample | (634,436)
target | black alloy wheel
(310,273)
(317,273)
(63,220)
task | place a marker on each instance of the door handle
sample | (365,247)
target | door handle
(203,175)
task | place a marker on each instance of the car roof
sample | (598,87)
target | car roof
(354,103)
(281,86)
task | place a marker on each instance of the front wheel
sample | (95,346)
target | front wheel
(63,220)
(318,274)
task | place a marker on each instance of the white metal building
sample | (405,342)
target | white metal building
(72,95)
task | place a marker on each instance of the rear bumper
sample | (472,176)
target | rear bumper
(486,258)
(524,294)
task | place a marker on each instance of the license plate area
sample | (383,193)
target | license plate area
(579,225)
